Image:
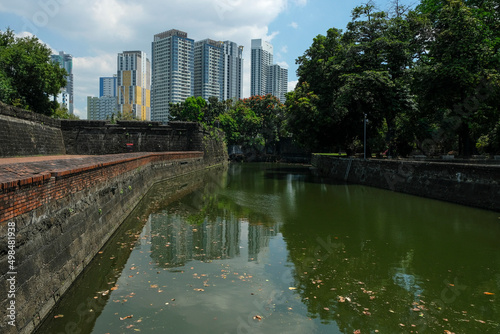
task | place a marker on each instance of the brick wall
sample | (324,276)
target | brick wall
(24,133)
(465,184)
(64,217)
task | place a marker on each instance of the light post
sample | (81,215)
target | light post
(364,144)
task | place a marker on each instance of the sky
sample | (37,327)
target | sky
(95,31)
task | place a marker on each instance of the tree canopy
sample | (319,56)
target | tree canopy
(28,77)
(427,80)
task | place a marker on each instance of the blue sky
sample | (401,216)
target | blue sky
(95,31)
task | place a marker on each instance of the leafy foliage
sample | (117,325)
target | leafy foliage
(429,74)
(254,123)
(28,78)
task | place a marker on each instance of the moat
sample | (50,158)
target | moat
(264,248)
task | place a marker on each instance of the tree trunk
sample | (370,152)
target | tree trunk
(466,145)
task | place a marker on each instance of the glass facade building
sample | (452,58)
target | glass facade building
(172,72)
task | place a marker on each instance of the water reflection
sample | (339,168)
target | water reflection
(175,243)
(304,255)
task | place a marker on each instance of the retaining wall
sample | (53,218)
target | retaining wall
(24,133)
(466,184)
(64,217)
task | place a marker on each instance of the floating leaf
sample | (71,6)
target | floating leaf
(292,288)
(127,317)
(257,317)
(489,293)
(58,316)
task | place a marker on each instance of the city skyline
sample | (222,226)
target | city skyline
(95,31)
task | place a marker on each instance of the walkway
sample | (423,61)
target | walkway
(26,168)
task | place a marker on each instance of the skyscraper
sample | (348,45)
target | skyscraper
(108,86)
(172,71)
(66,61)
(209,69)
(277,82)
(262,58)
(101,108)
(134,84)
(233,71)
(267,78)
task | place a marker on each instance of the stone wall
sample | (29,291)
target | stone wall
(63,218)
(101,137)
(24,133)
(465,184)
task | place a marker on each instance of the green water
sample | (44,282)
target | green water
(270,249)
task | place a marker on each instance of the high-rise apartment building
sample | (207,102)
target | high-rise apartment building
(104,106)
(277,82)
(172,71)
(233,71)
(267,78)
(108,86)
(66,61)
(134,84)
(209,69)
(101,108)
(262,58)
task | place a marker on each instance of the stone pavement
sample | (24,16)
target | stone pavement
(23,168)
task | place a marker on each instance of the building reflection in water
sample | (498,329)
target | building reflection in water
(175,242)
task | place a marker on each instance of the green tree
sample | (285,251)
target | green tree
(457,81)
(191,110)
(63,113)
(28,77)
(242,126)
(270,112)
(304,119)
(362,71)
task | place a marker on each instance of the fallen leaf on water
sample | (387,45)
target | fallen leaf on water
(114,288)
(326,309)
(292,288)
(489,293)
(341,299)
(58,316)
(448,332)
(257,317)
(199,289)
(127,317)
(357,331)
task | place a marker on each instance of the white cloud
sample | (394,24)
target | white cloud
(284,49)
(294,25)
(292,85)
(283,64)
(86,73)
(102,28)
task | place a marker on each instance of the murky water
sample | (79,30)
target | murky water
(270,249)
